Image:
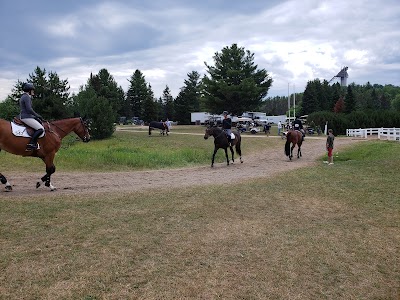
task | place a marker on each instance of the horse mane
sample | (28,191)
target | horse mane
(216,129)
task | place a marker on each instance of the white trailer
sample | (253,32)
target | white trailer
(276,119)
(199,117)
(254,114)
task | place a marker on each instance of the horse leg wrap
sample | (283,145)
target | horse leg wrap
(46,178)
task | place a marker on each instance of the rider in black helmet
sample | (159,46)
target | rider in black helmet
(298,125)
(29,116)
(227,126)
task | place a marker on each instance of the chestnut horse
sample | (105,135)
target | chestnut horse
(55,131)
(293,137)
(221,141)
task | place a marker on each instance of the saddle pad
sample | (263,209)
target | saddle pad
(232,136)
(21,131)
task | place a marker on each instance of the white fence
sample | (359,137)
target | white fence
(391,134)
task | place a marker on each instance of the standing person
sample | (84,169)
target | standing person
(279,127)
(29,117)
(168,123)
(267,128)
(227,126)
(329,146)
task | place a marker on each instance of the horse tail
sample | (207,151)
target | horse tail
(287,145)
(239,141)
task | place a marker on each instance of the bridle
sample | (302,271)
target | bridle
(86,132)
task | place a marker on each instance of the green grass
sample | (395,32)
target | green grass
(316,233)
(132,150)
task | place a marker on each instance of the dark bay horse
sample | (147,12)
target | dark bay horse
(159,125)
(49,144)
(293,138)
(221,141)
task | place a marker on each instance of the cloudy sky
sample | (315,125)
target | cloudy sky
(295,41)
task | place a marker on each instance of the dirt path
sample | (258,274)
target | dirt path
(264,164)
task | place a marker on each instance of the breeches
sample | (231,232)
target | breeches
(33,123)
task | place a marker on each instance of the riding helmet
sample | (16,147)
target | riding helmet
(27,87)
(225,113)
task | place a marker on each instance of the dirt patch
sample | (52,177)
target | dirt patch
(265,164)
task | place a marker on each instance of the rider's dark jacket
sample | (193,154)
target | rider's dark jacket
(25,103)
(227,123)
(297,124)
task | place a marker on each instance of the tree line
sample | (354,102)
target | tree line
(233,83)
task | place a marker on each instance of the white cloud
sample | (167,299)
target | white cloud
(66,27)
(295,41)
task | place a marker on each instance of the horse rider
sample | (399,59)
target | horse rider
(298,125)
(227,126)
(29,117)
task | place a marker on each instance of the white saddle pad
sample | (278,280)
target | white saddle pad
(19,130)
(232,136)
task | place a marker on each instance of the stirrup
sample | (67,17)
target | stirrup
(31,147)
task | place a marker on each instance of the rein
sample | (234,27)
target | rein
(221,134)
(54,132)
(66,133)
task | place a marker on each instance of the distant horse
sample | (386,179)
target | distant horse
(48,145)
(293,137)
(221,141)
(159,125)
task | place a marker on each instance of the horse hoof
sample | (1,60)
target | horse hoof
(37,184)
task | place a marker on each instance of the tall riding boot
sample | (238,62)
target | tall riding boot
(32,145)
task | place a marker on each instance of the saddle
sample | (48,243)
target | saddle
(19,128)
(232,136)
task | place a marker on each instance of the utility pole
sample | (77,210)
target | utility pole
(294,101)
(288,100)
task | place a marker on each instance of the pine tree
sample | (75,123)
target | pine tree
(105,86)
(384,101)
(98,109)
(188,99)
(51,94)
(150,111)
(168,102)
(137,93)
(234,83)
(350,101)
(310,101)
(101,100)
(9,109)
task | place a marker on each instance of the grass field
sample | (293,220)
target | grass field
(133,150)
(318,233)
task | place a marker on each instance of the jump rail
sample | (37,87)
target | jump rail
(390,134)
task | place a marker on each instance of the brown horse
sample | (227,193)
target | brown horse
(293,137)
(48,145)
(221,141)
